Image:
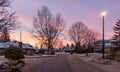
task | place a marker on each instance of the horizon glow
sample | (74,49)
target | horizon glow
(87,11)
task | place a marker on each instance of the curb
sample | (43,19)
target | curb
(40,56)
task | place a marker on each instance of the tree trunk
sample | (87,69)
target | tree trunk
(49,47)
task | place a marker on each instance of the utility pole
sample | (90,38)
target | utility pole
(20,43)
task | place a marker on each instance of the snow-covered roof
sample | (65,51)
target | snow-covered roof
(13,43)
(3,45)
(27,46)
(16,43)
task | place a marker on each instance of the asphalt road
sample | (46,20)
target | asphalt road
(64,63)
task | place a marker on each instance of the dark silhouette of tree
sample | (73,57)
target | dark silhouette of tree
(4,3)
(77,47)
(80,33)
(90,37)
(115,52)
(72,45)
(5,37)
(67,45)
(8,20)
(117,34)
(77,31)
(47,26)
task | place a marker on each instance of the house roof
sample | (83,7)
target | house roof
(3,45)
(16,43)
(100,41)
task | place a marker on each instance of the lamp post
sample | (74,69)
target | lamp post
(103,39)
(20,43)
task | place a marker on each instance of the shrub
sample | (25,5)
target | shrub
(118,56)
(1,53)
(14,53)
(111,56)
(114,55)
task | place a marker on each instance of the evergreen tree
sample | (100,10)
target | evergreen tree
(67,45)
(117,34)
(72,45)
(77,47)
(5,37)
(115,51)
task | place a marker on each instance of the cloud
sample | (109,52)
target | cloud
(72,11)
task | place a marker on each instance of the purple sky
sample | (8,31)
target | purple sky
(87,11)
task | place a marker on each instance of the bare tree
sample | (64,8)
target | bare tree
(47,26)
(4,3)
(80,33)
(90,37)
(77,31)
(8,20)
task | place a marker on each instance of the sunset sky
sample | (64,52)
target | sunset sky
(87,11)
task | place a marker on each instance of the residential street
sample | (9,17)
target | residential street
(64,63)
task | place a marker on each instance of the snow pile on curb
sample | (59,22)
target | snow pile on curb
(99,60)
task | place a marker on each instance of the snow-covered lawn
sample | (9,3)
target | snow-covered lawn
(2,59)
(30,61)
(90,54)
(114,66)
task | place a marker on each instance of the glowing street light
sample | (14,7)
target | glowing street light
(103,14)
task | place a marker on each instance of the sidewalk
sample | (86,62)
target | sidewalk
(113,67)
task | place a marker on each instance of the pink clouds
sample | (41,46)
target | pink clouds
(109,35)
(25,4)
(23,21)
(72,11)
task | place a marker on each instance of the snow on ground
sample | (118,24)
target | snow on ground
(2,59)
(30,61)
(113,67)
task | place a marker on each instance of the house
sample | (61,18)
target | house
(108,45)
(28,49)
(68,49)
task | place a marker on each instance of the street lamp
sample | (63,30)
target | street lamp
(103,14)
